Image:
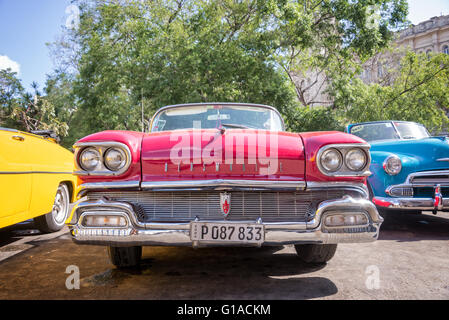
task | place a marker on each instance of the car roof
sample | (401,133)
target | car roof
(380,121)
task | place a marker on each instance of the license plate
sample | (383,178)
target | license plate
(227,232)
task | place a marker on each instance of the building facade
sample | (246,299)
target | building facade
(427,37)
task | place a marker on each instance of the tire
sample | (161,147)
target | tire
(55,220)
(315,253)
(125,257)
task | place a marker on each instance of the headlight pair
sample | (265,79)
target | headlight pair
(103,159)
(344,160)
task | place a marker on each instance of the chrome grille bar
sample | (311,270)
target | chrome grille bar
(245,205)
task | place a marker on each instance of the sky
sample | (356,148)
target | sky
(27,25)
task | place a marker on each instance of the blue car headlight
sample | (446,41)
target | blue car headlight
(392,165)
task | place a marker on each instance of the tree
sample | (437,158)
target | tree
(25,111)
(126,54)
(418,91)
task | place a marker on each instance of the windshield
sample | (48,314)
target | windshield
(217,116)
(389,131)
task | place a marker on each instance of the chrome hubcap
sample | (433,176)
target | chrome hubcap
(60,206)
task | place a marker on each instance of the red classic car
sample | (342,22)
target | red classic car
(222,174)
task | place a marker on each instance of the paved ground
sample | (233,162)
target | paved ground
(410,261)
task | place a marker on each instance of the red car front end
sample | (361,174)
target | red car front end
(222,174)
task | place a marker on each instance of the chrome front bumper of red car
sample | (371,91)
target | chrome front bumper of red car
(131,232)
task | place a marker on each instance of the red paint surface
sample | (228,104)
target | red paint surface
(130,138)
(313,141)
(232,146)
(296,152)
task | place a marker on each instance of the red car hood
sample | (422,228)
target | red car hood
(227,154)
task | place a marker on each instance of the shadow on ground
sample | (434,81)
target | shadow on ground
(415,227)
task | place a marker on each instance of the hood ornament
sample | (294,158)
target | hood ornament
(225,203)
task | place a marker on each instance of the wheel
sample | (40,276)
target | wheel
(54,220)
(125,257)
(315,253)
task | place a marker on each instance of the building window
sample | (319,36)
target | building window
(380,71)
(446,49)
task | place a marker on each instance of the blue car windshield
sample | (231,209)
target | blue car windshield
(389,131)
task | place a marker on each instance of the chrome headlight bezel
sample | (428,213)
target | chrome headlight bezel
(337,156)
(95,153)
(109,165)
(102,148)
(387,165)
(348,160)
(345,170)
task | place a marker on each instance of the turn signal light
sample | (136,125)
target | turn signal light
(104,221)
(343,220)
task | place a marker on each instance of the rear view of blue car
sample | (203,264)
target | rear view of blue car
(410,168)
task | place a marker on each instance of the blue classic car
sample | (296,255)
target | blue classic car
(410,168)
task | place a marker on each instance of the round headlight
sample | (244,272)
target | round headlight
(115,159)
(392,165)
(331,160)
(89,159)
(355,159)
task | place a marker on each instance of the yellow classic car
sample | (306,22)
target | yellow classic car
(36,180)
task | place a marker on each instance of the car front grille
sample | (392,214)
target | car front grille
(180,206)
(430,178)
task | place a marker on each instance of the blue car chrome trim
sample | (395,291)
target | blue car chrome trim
(437,203)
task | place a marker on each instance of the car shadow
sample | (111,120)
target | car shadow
(17,231)
(405,227)
(222,273)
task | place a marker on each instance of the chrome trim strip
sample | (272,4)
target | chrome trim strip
(275,233)
(361,187)
(34,172)
(344,171)
(110,185)
(100,145)
(413,203)
(220,184)
(425,173)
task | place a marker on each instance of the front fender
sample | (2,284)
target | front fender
(380,180)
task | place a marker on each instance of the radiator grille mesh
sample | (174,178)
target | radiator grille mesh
(245,205)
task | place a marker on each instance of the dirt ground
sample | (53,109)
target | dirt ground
(409,261)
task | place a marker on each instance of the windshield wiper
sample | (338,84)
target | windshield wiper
(232,125)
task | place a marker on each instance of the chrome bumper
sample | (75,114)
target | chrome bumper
(427,204)
(137,233)
(437,203)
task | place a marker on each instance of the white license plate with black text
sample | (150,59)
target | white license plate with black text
(227,232)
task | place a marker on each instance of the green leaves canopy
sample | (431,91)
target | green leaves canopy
(129,54)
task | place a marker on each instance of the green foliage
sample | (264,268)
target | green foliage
(149,53)
(419,91)
(314,119)
(25,111)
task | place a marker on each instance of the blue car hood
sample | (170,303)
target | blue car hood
(426,152)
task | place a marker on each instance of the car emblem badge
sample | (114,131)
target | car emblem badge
(225,203)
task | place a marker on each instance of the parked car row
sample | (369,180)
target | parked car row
(223,174)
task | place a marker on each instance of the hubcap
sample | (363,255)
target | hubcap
(60,206)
